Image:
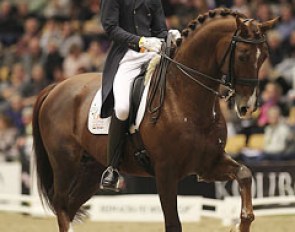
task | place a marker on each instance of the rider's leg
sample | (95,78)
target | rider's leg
(129,68)
(117,133)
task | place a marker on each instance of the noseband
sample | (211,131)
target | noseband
(229,81)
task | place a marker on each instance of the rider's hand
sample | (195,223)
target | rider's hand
(175,35)
(151,44)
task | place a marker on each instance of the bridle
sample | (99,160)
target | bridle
(229,80)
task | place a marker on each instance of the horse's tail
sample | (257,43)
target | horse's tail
(44,170)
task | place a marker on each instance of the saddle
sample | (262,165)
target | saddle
(159,83)
(158,87)
(136,93)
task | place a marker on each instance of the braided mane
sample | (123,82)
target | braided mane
(202,18)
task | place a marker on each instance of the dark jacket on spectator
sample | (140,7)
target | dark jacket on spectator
(125,21)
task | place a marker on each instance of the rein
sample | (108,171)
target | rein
(229,81)
(187,70)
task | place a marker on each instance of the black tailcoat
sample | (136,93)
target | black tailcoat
(125,21)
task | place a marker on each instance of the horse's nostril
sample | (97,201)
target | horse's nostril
(243,110)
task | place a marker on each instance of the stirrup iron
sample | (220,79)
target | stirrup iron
(118,185)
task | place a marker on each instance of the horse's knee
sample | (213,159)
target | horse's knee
(244,173)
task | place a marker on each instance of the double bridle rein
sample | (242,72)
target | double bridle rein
(229,80)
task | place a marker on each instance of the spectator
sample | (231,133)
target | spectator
(201,6)
(22,10)
(287,24)
(33,86)
(37,6)
(14,112)
(276,136)
(290,46)
(34,55)
(224,3)
(264,12)
(53,59)
(58,74)
(265,75)
(75,61)
(9,26)
(15,83)
(31,30)
(24,145)
(69,37)
(51,33)
(86,10)
(276,53)
(241,6)
(8,135)
(96,56)
(59,8)
(271,96)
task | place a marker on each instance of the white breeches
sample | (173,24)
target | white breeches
(129,69)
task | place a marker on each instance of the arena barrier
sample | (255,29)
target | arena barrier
(10,177)
(146,208)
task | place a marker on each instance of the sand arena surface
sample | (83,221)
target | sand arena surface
(22,223)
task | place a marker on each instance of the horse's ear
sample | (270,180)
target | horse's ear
(241,27)
(268,24)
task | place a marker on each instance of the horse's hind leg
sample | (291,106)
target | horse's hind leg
(228,169)
(85,186)
(63,220)
(167,190)
(60,204)
(82,186)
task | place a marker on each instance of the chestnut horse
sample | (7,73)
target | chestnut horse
(188,138)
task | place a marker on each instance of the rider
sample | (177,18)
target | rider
(136,28)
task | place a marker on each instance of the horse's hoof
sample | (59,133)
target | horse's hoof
(236,228)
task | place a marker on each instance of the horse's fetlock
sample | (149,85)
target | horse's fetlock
(174,228)
(249,217)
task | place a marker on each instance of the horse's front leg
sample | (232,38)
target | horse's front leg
(167,185)
(228,169)
(244,178)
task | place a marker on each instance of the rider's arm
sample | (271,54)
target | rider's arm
(158,25)
(110,21)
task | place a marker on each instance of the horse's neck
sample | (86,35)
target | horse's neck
(184,90)
(199,52)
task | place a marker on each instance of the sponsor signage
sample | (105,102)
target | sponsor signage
(269,179)
(144,208)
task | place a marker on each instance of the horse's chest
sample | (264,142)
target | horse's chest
(197,138)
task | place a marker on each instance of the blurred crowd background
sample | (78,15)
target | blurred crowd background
(46,41)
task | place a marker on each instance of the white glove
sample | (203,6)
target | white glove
(175,35)
(152,44)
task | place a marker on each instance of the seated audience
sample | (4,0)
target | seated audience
(277,135)
(8,135)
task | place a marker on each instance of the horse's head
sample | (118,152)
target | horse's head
(246,53)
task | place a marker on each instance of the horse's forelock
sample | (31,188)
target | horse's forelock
(252,30)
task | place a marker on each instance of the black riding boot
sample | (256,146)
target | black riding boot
(117,134)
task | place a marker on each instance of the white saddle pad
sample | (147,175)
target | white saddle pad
(98,125)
